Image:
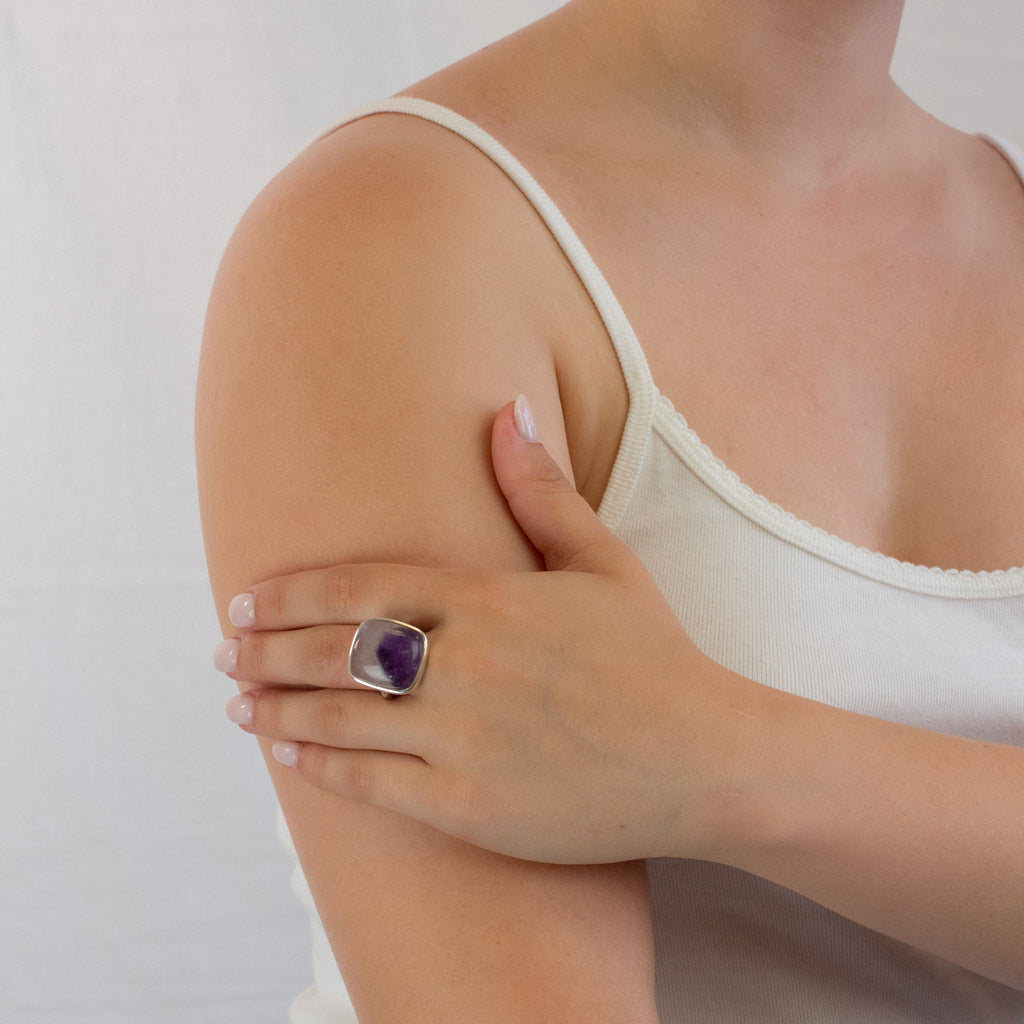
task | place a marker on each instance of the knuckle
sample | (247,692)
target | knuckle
(271,603)
(473,586)
(252,657)
(335,718)
(324,655)
(265,715)
(339,591)
(311,764)
(583,548)
(278,717)
(352,777)
(547,474)
(455,663)
(482,592)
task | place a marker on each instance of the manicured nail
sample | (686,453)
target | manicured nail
(525,423)
(225,656)
(242,610)
(286,753)
(241,709)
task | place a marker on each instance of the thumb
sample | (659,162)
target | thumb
(555,518)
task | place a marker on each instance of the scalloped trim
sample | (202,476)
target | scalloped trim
(877,565)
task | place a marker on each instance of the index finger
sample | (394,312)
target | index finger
(344,594)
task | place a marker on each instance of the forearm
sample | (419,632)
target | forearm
(912,833)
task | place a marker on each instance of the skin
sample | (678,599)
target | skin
(870,255)
(728,770)
(291,437)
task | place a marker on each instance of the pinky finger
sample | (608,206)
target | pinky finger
(395,782)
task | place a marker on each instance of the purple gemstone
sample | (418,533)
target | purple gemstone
(399,653)
(387,655)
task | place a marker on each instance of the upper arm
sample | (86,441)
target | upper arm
(373,312)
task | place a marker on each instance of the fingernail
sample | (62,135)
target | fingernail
(225,656)
(242,610)
(525,423)
(286,753)
(241,709)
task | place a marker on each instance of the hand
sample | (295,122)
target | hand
(564,716)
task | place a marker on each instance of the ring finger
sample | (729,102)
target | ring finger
(314,656)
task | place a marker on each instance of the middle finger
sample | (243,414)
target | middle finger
(331,719)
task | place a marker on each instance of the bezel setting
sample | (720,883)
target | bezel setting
(388,656)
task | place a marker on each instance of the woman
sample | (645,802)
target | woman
(814,741)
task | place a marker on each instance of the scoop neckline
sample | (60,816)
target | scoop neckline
(772,517)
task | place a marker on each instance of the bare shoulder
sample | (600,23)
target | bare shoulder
(391,216)
(993,192)
(378,303)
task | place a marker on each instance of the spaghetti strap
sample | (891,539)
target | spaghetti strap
(635,371)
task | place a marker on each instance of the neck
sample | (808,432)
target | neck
(798,86)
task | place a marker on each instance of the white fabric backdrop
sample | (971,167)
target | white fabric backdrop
(140,876)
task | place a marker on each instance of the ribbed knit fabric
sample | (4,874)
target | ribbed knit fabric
(791,606)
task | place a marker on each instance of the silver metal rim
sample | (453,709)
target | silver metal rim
(389,692)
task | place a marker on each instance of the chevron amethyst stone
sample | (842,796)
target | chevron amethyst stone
(387,655)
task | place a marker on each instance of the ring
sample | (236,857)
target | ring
(388,656)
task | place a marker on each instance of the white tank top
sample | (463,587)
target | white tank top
(791,606)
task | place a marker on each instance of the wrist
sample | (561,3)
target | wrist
(746,816)
(791,787)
